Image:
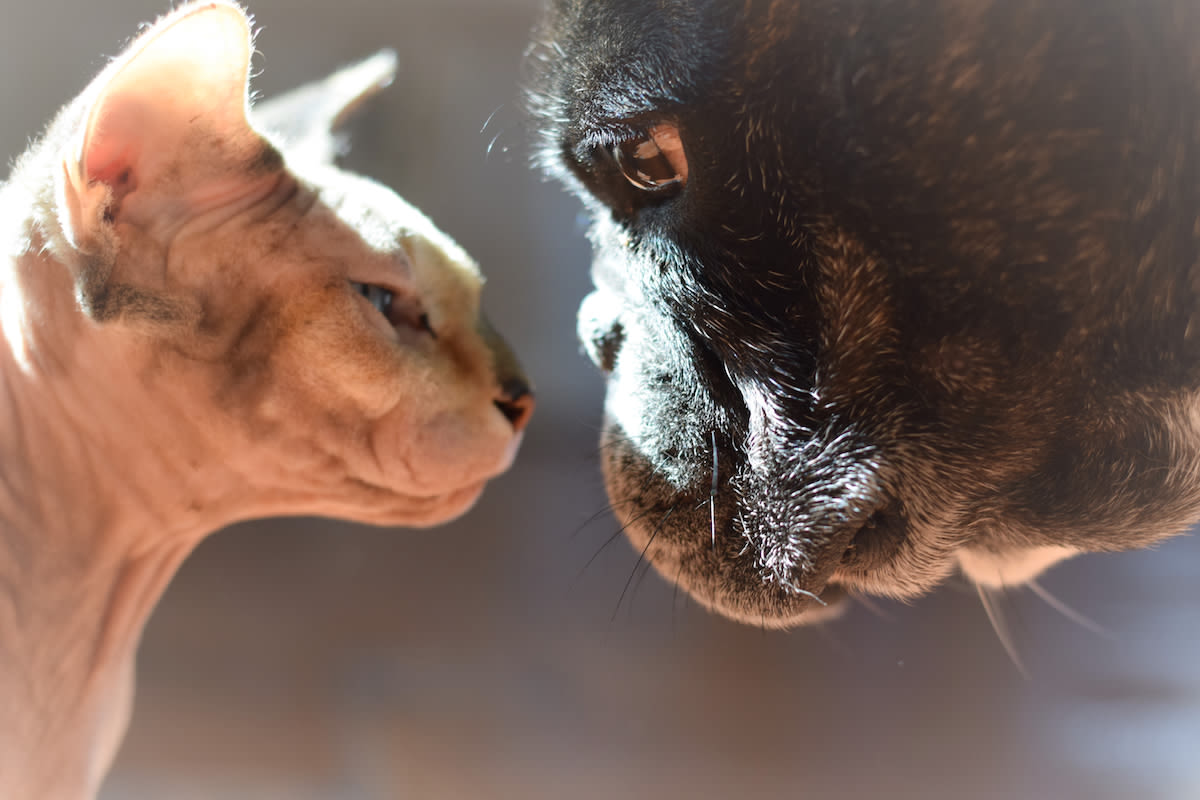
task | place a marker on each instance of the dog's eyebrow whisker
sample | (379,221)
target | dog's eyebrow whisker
(1058,605)
(491,145)
(491,117)
(657,529)
(999,623)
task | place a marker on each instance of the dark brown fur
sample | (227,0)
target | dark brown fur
(932,283)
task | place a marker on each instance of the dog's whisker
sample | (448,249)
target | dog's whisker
(792,587)
(712,520)
(834,641)
(615,535)
(608,509)
(613,506)
(591,426)
(999,624)
(675,594)
(641,558)
(712,495)
(614,440)
(870,605)
(811,596)
(637,585)
(1058,605)
(610,444)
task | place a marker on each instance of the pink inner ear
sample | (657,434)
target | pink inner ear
(111,153)
(113,166)
(182,83)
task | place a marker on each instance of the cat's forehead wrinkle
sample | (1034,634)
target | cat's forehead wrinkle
(375,213)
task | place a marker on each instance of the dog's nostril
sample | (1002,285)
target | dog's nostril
(878,540)
(516,402)
(603,348)
(600,329)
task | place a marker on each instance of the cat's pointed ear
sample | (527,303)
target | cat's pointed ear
(307,120)
(164,128)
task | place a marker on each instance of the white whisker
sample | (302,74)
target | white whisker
(1000,625)
(712,495)
(1068,612)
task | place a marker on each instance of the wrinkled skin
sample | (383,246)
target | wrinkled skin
(203,321)
(925,301)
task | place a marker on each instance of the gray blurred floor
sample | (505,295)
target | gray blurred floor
(309,659)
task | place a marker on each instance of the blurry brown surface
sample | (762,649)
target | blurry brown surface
(308,659)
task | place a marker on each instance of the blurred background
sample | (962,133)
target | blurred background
(495,657)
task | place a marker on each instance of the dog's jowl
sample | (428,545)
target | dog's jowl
(204,321)
(885,289)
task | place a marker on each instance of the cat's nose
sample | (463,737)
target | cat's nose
(514,392)
(516,402)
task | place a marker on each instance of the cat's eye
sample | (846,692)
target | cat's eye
(377,296)
(654,161)
(383,301)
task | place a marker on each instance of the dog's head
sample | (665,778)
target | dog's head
(883,289)
(201,283)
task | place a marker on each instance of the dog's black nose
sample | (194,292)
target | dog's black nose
(514,395)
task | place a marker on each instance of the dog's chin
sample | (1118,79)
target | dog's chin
(698,540)
(761,551)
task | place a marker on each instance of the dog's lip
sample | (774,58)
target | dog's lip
(672,527)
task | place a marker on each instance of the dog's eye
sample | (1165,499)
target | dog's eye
(655,161)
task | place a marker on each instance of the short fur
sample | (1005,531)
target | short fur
(927,301)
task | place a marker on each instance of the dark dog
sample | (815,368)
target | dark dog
(885,288)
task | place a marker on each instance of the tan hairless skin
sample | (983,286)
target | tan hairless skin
(204,323)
